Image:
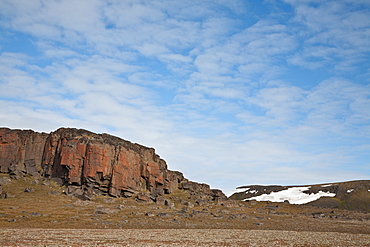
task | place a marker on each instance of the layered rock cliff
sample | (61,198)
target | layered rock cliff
(89,163)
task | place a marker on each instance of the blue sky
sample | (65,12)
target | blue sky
(228,92)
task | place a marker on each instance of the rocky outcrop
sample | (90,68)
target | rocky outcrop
(89,163)
(21,152)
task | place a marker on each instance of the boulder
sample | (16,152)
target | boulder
(169,203)
(17,171)
(5,180)
(187,203)
(160,201)
(143,198)
(149,214)
(28,190)
(103,210)
(3,194)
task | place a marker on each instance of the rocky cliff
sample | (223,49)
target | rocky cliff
(89,164)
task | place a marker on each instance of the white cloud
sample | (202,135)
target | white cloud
(336,33)
(225,95)
(338,106)
(152,50)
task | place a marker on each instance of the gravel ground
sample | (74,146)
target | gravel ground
(176,237)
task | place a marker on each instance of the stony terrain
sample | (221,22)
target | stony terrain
(36,212)
(177,237)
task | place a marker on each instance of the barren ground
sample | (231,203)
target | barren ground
(176,237)
(46,217)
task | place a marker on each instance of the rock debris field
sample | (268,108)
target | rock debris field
(176,237)
(39,214)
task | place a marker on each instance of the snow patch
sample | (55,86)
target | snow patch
(252,191)
(349,191)
(326,185)
(239,190)
(294,195)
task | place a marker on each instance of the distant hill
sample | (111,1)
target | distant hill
(351,195)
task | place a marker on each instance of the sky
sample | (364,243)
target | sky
(230,93)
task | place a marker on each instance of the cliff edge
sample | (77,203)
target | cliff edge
(91,164)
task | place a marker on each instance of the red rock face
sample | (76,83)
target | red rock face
(81,157)
(99,159)
(126,173)
(21,148)
(97,163)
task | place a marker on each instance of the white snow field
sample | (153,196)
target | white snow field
(294,195)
